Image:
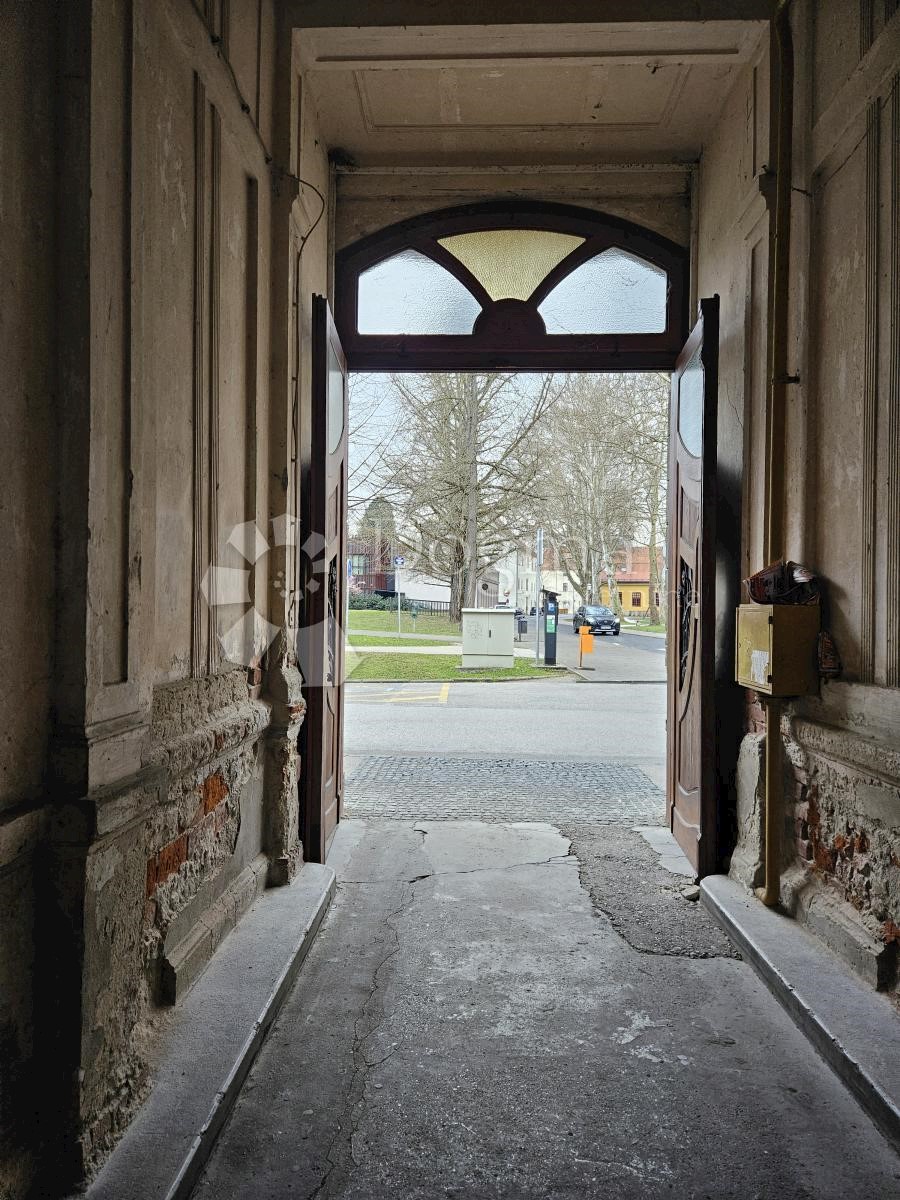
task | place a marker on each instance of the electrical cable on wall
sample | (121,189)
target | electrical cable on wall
(245,108)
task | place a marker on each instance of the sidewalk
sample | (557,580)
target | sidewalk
(392,633)
(454,649)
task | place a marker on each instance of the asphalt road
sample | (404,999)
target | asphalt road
(545,718)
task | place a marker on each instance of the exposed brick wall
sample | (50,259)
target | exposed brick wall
(858,858)
(173,855)
(755,713)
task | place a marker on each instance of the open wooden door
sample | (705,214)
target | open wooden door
(690,793)
(323,584)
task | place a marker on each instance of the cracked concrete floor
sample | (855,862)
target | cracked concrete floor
(467,1024)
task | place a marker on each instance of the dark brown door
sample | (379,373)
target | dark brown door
(323,584)
(690,724)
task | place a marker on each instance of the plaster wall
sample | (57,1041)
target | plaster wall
(182,471)
(842,828)
(27,512)
(368,199)
(147,798)
(732,252)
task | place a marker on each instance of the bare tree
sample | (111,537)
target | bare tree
(371,432)
(590,491)
(640,431)
(463,461)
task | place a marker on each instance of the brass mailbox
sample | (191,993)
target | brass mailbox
(775,648)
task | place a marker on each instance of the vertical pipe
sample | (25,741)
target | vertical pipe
(775,423)
(774,803)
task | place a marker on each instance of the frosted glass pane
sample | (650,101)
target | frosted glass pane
(690,406)
(510,263)
(612,293)
(335,423)
(409,293)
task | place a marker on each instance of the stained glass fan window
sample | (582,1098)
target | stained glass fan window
(512,285)
(410,293)
(511,263)
(612,293)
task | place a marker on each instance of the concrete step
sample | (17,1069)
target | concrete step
(853,1027)
(215,1035)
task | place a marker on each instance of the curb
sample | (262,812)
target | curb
(216,1034)
(854,1028)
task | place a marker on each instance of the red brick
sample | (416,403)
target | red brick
(213,791)
(171,857)
(152,877)
(824,858)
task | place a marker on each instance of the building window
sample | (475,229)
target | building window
(565,585)
(635,599)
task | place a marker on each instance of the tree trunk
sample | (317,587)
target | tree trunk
(471,544)
(655,582)
(609,566)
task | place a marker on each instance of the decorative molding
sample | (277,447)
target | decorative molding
(116,657)
(870,758)
(219,737)
(838,129)
(892,483)
(371,124)
(215,272)
(866,26)
(870,396)
(251,360)
(201,282)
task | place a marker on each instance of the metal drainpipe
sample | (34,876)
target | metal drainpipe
(778,379)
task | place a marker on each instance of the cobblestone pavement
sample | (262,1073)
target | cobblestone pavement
(435,787)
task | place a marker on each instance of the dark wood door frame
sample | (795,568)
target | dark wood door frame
(691,761)
(517,341)
(323,554)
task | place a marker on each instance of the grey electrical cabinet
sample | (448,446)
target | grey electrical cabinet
(488,636)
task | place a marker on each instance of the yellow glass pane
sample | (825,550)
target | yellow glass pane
(510,263)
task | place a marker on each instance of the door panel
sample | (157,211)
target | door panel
(323,555)
(690,792)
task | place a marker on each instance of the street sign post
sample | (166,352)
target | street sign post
(539,554)
(399,561)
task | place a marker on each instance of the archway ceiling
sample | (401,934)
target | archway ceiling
(523,94)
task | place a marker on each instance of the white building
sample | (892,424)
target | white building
(518,578)
(556,581)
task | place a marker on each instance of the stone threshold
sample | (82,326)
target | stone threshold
(854,1028)
(215,1034)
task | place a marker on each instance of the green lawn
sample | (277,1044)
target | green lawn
(361,619)
(365,639)
(643,628)
(388,668)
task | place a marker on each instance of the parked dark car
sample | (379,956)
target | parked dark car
(598,618)
(532,611)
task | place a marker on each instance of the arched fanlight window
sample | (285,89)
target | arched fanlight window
(524,286)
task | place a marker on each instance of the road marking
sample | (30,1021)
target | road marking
(445,692)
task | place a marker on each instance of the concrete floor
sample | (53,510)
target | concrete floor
(469,1024)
